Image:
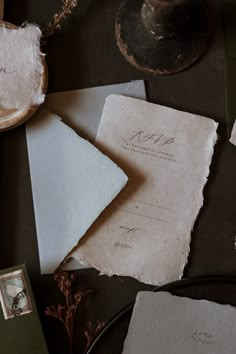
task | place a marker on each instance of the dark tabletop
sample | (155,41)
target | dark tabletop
(84,54)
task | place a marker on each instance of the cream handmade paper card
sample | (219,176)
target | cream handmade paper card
(23,74)
(21,67)
(166,324)
(145,233)
(72,183)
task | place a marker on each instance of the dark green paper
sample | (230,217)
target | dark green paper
(22,334)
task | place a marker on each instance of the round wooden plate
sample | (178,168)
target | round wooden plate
(12,118)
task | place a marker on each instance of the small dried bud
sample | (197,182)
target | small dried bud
(81,294)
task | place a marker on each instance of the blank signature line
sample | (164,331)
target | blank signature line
(145,216)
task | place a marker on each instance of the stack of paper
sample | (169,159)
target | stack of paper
(166,154)
(71,181)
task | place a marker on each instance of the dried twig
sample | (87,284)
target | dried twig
(55,25)
(92,331)
(66,313)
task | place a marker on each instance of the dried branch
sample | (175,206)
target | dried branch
(92,331)
(66,313)
(55,25)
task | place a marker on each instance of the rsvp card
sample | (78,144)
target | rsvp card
(145,232)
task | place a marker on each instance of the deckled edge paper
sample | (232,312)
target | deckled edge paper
(82,109)
(233,135)
(21,68)
(85,255)
(166,323)
(72,183)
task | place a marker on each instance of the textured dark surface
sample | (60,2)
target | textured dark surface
(85,54)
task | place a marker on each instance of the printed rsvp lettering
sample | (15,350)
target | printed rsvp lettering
(152,138)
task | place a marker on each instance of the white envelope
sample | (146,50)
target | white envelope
(72,183)
(82,109)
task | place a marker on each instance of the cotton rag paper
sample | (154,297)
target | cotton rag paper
(21,68)
(166,323)
(233,135)
(82,109)
(166,154)
(72,183)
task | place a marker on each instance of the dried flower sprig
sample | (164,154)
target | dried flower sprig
(66,313)
(92,331)
(55,25)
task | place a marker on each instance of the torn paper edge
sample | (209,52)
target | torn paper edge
(185,298)
(39,97)
(232,139)
(212,139)
(116,191)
